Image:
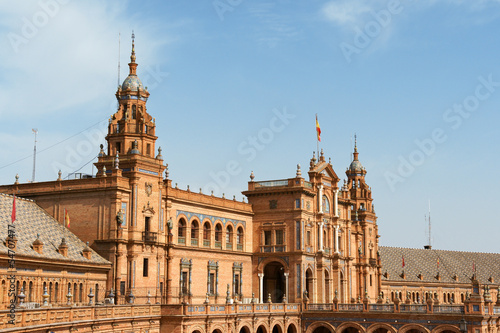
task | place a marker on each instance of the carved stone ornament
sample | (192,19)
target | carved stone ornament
(149,188)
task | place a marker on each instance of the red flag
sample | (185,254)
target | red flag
(13,217)
(66,218)
(403,261)
(318,129)
(438,263)
(474,266)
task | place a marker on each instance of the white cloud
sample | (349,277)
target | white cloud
(48,52)
(347,13)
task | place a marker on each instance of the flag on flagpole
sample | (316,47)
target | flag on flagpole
(66,218)
(438,263)
(474,266)
(13,216)
(403,257)
(318,129)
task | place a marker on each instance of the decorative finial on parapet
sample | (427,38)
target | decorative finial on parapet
(299,172)
(17,179)
(59,175)
(166,171)
(252,176)
(117,161)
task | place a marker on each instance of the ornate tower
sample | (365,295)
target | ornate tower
(131,128)
(364,229)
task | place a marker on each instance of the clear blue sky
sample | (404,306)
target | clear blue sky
(418,81)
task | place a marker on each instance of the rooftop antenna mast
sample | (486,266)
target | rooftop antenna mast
(119,45)
(428,218)
(35,131)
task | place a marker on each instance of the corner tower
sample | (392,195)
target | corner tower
(131,129)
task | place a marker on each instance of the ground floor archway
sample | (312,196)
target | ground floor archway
(274,282)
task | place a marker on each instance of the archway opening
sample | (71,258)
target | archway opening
(350,330)
(291,329)
(277,329)
(274,282)
(309,284)
(261,329)
(322,329)
(244,329)
(381,330)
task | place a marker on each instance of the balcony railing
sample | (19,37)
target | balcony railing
(194,241)
(413,308)
(218,245)
(229,246)
(149,237)
(273,248)
(182,240)
(381,307)
(206,243)
(351,307)
(449,309)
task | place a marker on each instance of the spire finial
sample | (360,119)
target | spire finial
(132,57)
(355,143)
(132,65)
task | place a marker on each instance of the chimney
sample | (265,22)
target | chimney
(87,253)
(63,248)
(38,245)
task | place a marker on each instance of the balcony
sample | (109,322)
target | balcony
(149,237)
(273,248)
(194,241)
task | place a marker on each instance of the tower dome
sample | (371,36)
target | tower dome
(356,165)
(133,83)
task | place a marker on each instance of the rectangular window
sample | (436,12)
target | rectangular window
(297,234)
(122,287)
(211,283)
(279,237)
(237,284)
(184,283)
(148,149)
(129,275)
(299,280)
(161,288)
(297,203)
(145,267)
(267,237)
(124,212)
(118,147)
(308,237)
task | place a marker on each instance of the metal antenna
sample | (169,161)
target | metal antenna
(430,239)
(119,45)
(34,156)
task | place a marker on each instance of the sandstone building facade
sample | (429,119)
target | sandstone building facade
(306,245)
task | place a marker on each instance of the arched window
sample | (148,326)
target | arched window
(239,238)
(181,231)
(30,292)
(229,237)
(218,235)
(194,233)
(206,234)
(134,111)
(56,293)
(326,204)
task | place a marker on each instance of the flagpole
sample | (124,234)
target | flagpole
(317,135)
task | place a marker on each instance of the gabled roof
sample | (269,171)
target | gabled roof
(451,264)
(31,220)
(327,167)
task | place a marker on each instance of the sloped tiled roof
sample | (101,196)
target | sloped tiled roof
(451,263)
(31,220)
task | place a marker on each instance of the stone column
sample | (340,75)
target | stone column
(261,287)
(336,203)
(286,285)
(320,198)
(321,225)
(336,238)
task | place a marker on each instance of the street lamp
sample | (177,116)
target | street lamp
(463,325)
